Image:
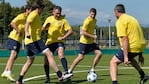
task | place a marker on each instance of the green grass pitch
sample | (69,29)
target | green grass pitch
(126,75)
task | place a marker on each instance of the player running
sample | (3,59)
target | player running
(14,41)
(34,43)
(88,42)
(58,30)
(132,44)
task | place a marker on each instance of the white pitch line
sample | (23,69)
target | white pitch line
(121,68)
(102,68)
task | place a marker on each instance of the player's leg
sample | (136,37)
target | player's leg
(7,73)
(83,50)
(115,61)
(47,70)
(61,49)
(75,62)
(14,47)
(98,56)
(143,76)
(53,64)
(25,68)
(114,69)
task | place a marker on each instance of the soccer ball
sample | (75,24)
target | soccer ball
(92,77)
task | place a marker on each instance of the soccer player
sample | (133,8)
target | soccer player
(87,42)
(14,41)
(58,30)
(34,44)
(132,44)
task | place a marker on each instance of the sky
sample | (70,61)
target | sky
(77,10)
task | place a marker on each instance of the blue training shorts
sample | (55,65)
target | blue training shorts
(86,48)
(13,45)
(120,55)
(54,46)
(35,48)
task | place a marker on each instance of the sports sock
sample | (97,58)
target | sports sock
(59,74)
(8,72)
(114,82)
(64,63)
(20,78)
(92,70)
(46,68)
(141,73)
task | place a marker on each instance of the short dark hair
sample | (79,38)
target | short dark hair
(28,7)
(120,8)
(93,10)
(58,7)
(38,4)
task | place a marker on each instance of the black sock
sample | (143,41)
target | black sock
(59,74)
(114,82)
(64,63)
(46,68)
(141,73)
(20,78)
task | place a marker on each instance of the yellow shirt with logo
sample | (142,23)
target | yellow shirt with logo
(128,26)
(20,22)
(34,27)
(56,29)
(88,26)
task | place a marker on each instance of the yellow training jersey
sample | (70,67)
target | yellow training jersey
(34,27)
(88,26)
(128,26)
(20,22)
(56,29)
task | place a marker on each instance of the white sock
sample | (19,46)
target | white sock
(8,72)
(69,71)
(92,70)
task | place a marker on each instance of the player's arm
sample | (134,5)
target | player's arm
(45,27)
(125,49)
(88,34)
(14,26)
(27,29)
(67,34)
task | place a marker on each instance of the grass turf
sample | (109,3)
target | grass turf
(126,75)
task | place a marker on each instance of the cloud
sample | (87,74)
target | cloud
(81,15)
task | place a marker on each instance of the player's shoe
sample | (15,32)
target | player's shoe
(17,82)
(3,75)
(144,79)
(8,76)
(47,81)
(67,76)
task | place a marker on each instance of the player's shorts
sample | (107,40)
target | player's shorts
(35,47)
(54,46)
(86,48)
(120,55)
(13,45)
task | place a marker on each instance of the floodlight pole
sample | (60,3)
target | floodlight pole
(109,21)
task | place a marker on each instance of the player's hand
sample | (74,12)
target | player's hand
(60,38)
(95,37)
(19,33)
(126,62)
(27,35)
(141,60)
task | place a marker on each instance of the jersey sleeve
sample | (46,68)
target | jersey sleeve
(85,25)
(17,19)
(31,17)
(121,28)
(66,25)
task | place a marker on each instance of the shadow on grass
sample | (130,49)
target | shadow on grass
(69,82)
